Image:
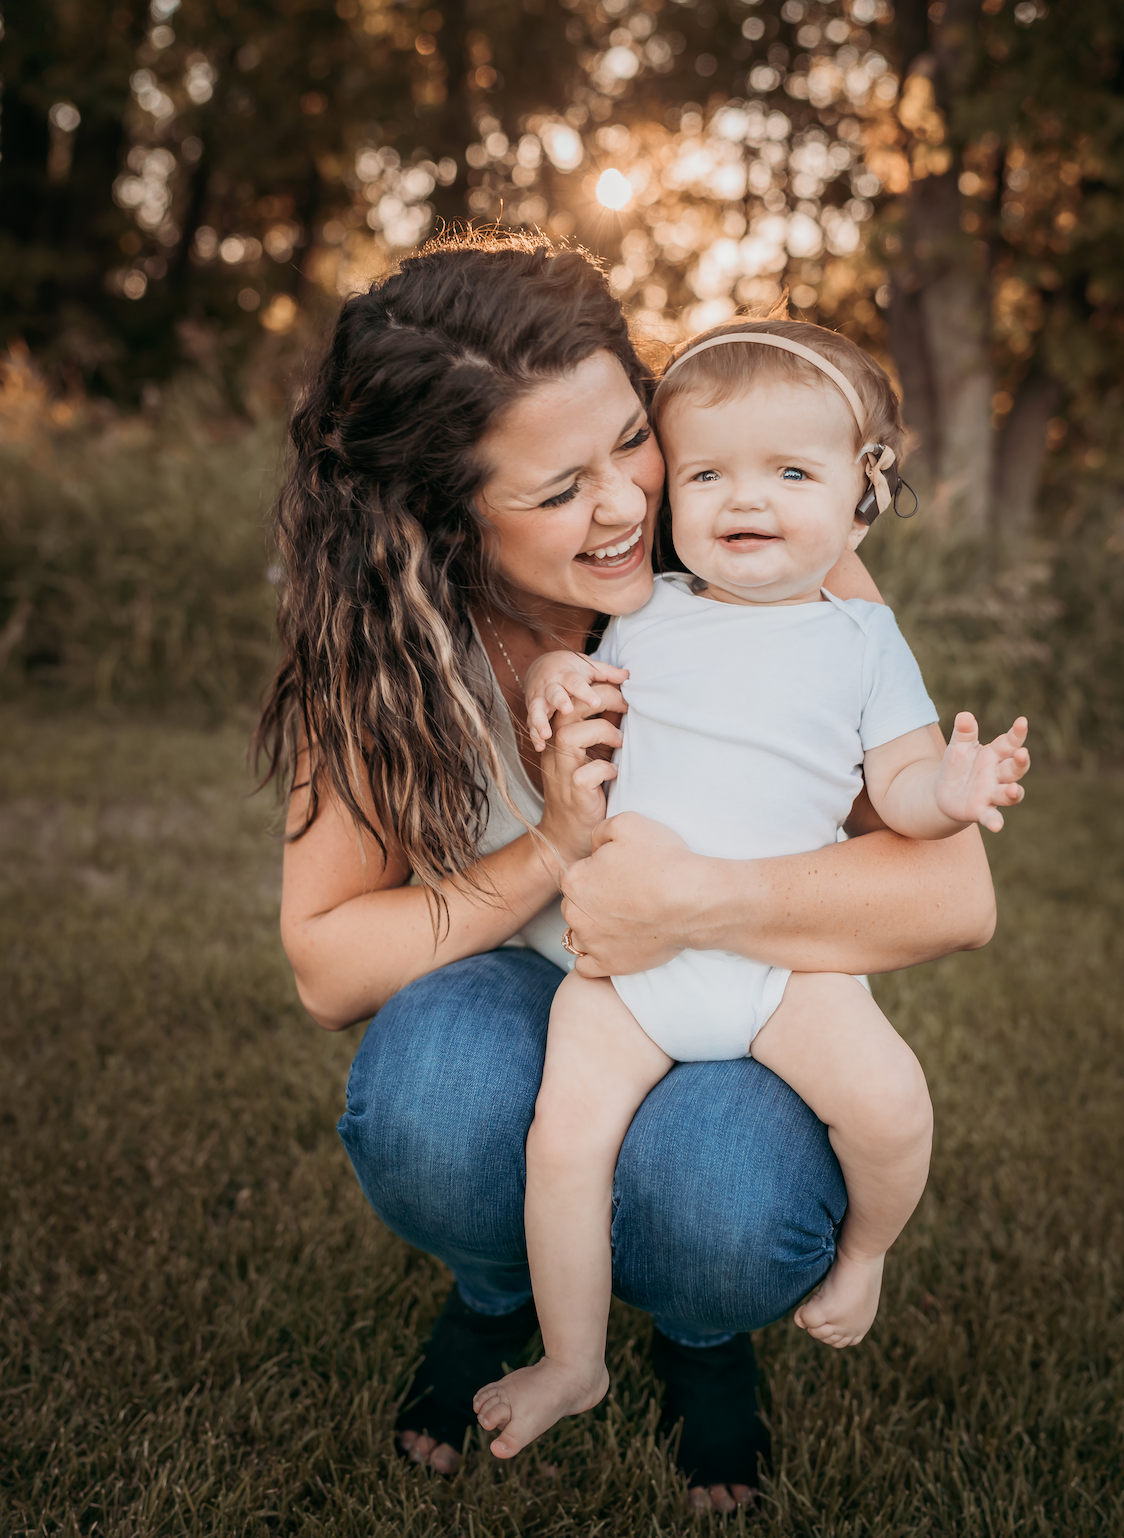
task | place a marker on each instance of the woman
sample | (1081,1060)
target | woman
(474,483)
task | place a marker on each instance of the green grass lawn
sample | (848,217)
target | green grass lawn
(204,1329)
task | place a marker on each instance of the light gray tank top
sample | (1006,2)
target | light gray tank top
(544,932)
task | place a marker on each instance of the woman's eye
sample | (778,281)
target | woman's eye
(791,473)
(639,437)
(562,497)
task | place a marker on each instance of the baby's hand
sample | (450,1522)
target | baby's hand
(558,681)
(976,779)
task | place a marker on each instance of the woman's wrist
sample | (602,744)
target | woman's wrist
(716,903)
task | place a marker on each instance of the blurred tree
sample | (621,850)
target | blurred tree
(1006,241)
(942,182)
(171,178)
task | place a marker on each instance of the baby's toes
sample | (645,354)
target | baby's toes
(494,1414)
(809,1316)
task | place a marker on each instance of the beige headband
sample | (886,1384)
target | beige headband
(875,468)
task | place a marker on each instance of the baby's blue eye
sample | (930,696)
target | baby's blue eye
(707,476)
(791,473)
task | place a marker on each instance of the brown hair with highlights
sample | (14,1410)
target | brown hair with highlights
(384,548)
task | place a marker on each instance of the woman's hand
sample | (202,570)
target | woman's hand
(627,903)
(574,773)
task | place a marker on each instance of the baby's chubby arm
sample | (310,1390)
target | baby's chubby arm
(557,681)
(922,795)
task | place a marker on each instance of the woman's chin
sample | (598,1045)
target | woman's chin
(616,589)
(624,595)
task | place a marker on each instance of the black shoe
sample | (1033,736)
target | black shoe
(465,1351)
(713,1389)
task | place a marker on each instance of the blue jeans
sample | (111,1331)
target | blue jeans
(727,1194)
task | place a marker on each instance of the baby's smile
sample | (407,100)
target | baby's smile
(746,537)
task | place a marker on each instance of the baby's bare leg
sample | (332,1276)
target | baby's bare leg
(599,1066)
(829,1040)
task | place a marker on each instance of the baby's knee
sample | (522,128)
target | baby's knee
(569,1131)
(897,1112)
(555,1142)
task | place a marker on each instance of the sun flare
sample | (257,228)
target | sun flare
(613,190)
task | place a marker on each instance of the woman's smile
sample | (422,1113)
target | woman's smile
(611,559)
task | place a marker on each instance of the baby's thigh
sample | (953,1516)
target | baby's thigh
(599,1063)
(831,1043)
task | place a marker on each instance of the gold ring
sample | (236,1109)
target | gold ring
(568,944)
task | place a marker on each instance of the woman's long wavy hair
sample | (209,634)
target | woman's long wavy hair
(384,548)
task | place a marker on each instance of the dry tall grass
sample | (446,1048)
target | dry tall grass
(134,568)
(133,553)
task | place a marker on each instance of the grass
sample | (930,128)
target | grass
(134,555)
(203,1328)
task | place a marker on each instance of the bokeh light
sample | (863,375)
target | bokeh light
(613,190)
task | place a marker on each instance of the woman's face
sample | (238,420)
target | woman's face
(574,484)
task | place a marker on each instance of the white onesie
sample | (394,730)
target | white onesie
(745,733)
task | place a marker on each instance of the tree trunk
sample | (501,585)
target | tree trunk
(940,309)
(1018,469)
(939,333)
(955,308)
(910,349)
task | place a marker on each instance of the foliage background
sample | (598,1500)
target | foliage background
(185,192)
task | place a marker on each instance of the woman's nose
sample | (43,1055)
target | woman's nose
(620,501)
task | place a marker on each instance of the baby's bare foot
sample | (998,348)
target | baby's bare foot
(529,1401)
(842,1310)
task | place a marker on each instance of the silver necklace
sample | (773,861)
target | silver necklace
(503,648)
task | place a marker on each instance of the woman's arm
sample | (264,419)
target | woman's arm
(873,904)
(355,933)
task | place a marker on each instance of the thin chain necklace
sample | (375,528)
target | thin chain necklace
(503,649)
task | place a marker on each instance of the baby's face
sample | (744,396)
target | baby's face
(763,490)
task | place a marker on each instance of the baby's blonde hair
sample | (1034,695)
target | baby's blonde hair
(720,373)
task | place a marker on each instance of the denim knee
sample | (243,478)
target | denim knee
(439,1099)
(726,1201)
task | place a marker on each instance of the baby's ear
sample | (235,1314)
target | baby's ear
(859,531)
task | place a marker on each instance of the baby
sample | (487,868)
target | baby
(758,705)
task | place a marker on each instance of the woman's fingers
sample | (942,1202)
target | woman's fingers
(571,696)
(596,772)
(577,737)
